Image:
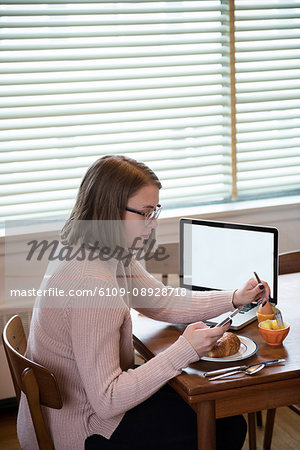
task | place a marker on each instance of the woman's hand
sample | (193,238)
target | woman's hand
(203,338)
(252,291)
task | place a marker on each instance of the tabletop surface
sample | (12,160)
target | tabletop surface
(152,337)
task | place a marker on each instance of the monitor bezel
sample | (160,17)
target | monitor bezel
(232,225)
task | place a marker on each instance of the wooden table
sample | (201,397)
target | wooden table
(272,387)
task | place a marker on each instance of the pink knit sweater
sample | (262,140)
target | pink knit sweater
(87,341)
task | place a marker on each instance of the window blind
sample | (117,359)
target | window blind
(267,43)
(146,79)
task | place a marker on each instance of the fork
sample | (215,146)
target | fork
(277,313)
(278,316)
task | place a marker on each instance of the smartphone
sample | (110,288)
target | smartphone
(227,319)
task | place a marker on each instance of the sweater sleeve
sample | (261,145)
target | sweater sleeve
(95,334)
(175,305)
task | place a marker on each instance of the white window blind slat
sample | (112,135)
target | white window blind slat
(260,86)
(99,20)
(269,38)
(268,96)
(277,183)
(289,43)
(214,61)
(45,209)
(46,192)
(16,182)
(14,79)
(133,149)
(192,191)
(255,5)
(106,107)
(270,15)
(108,42)
(29,165)
(268,154)
(263,25)
(211,190)
(265,65)
(59,7)
(282,144)
(208,135)
(245,77)
(133,127)
(269,135)
(267,55)
(262,116)
(38,31)
(278,105)
(110,86)
(210,50)
(291,164)
(207,113)
(114,96)
(266,125)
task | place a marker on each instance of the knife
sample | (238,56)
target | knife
(230,369)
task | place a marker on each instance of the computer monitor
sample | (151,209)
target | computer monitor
(223,256)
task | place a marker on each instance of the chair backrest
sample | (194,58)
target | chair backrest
(168,266)
(289,262)
(37,382)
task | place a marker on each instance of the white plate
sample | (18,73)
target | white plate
(247,349)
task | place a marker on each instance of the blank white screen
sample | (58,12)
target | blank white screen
(225,258)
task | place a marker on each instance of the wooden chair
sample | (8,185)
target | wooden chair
(37,382)
(289,262)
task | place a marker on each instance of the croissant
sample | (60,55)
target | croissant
(227,345)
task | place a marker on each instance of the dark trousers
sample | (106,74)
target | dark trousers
(165,422)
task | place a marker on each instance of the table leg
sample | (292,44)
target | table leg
(269,428)
(206,425)
(252,431)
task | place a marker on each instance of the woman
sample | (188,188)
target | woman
(85,337)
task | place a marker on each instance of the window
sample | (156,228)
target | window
(267,42)
(156,81)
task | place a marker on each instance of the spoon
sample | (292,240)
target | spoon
(250,371)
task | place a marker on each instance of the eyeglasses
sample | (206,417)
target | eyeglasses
(150,215)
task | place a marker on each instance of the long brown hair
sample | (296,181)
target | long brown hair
(103,196)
